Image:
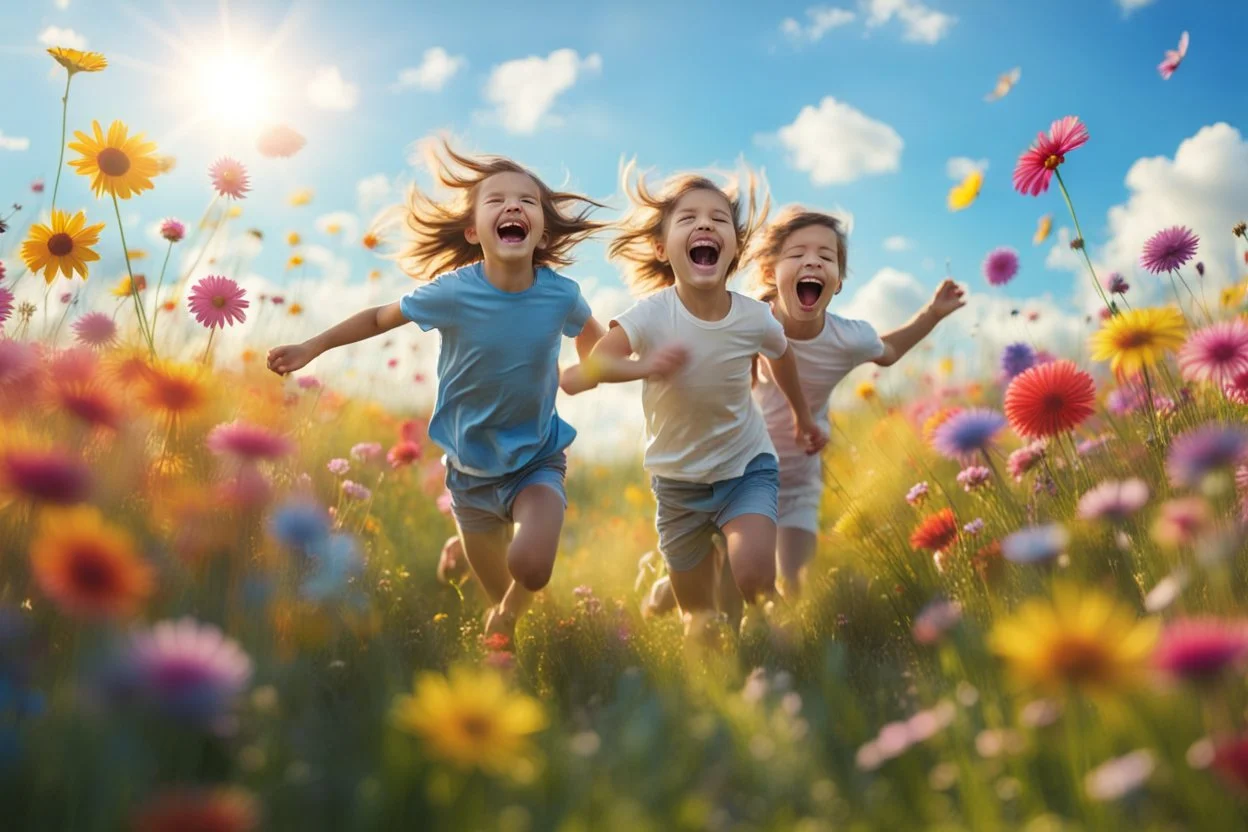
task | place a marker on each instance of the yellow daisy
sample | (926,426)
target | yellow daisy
(119,165)
(125,287)
(293,238)
(1081,638)
(77,61)
(964,193)
(1137,338)
(470,719)
(295,309)
(294,262)
(64,246)
(301,197)
(1043,227)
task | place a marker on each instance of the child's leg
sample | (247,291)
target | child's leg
(695,588)
(538,513)
(486,551)
(752,554)
(795,548)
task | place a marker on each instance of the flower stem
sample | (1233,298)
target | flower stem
(208,349)
(1084,247)
(160,282)
(64,115)
(134,287)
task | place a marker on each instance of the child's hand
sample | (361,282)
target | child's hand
(947,299)
(810,436)
(665,361)
(575,379)
(289,357)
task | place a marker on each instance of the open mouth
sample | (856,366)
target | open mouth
(513,232)
(704,252)
(809,289)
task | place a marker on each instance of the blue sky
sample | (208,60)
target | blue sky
(680,85)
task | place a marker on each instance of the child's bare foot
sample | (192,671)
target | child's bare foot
(452,565)
(704,630)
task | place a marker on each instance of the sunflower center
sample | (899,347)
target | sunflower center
(113,162)
(1079,660)
(1134,339)
(1053,161)
(60,244)
(476,726)
(89,571)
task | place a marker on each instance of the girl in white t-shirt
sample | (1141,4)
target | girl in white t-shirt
(800,265)
(713,466)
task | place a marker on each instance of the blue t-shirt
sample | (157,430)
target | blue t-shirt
(498,366)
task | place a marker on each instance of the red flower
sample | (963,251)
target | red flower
(403,454)
(1049,399)
(936,531)
(1035,167)
(1230,759)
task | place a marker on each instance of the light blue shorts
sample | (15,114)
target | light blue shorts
(481,504)
(690,514)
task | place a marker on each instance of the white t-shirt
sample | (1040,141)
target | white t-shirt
(701,425)
(822,362)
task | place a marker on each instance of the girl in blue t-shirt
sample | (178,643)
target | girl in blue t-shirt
(484,261)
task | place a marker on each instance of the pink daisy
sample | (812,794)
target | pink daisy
(247,441)
(47,477)
(188,670)
(172,230)
(229,177)
(1217,353)
(1024,459)
(1000,266)
(95,329)
(1200,649)
(217,301)
(1169,249)
(1035,167)
(280,142)
(1114,501)
(6,303)
(355,491)
(1236,390)
(1173,58)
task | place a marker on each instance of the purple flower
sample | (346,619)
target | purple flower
(917,494)
(1199,649)
(188,670)
(936,619)
(1024,459)
(1114,501)
(1088,446)
(974,527)
(1017,359)
(338,466)
(355,491)
(1204,450)
(974,477)
(1167,250)
(1000,266)
(6,304)
(1117,284)
(966,432)
(364,451)
(1037,544)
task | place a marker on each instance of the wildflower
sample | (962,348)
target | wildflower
(45,476)
(974,477)
(865,391)
(187,670)
(935,532)
(1024,459)
(173,389)
(280,141)
(338,466)
(1050,399)
(1218,353)
(247,441)
(119,165)
(1116,284)
(1202,451)
(1038,544)
(301,197)
(75,61)
(299,524)
(217,301)
(1117,778)
(934,620)
(967,432)
(1236,390)
(1173,58)
(974,527)
(126,287)
(1180,522)
(403,453)
(293,238)
(471,719)
(88,567)
(229,178)
(917,495)
(1202,649)
(64,246)
(1080,638)
(1114,501)
(370,241)
(95,329)
(1017,358)
(6,303)
(1000,266)
(963,194)
(355,491)
(225,809)
(172,230)
(1137,338)
(1036,166)
(1167,250)
(365,451)
(1043,227)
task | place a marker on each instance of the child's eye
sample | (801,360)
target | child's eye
(685,218)
(528,200)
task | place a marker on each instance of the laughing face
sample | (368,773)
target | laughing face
(808,272)
(508,222)
(700,241)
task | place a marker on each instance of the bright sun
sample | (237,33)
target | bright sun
(235,92)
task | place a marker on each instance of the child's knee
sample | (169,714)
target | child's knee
(530,569)
(755,577)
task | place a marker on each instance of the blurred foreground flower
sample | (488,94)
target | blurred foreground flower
(226,809)
(88,567)
(187,670)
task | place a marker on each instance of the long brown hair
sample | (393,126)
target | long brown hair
(645,223)
(435,230)
(769,242)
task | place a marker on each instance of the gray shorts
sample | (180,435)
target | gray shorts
(690,514)
(481,504)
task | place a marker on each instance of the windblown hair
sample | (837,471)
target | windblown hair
(769,242)
(645,222)
(435,230)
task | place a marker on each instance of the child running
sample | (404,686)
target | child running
(713,468)
(485,262)
(800,260)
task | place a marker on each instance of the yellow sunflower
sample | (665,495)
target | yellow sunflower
(293,238)
(964,193)
(88,567)
(63,247)
(123,166)
(173,389)
(1082,638)
(77,61)
(470,719)
(1138,338)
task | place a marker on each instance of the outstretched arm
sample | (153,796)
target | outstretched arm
(784,371)
(947,299)
(589,336)
(365,324)
(610,362)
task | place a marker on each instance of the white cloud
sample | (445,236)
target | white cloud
(822,20)
(329,91)
(372,191)
(341,225)
(1129,6)
(524,90)
(960,167)
(922,23)
(897,243)
(62,4)
(887,300)
(1204,187)
(436,68)
(836,143)
(13,142)
(56,36)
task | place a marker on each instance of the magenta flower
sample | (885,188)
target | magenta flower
(917,494)
(95,329)
(247,441)
(188,670)
(217,301)
(172,230)
(1000,266)
(1116,284)
(338,466)
(6,303)
(1024,459)
(364,451)
(1169,249)
(974,477)
(1173,58)
(1200,649)
(355,491)
(1114,501)
(1035,167)
(47,477)
(229,177)
(36,186)
(1218,353)
(1236,390)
